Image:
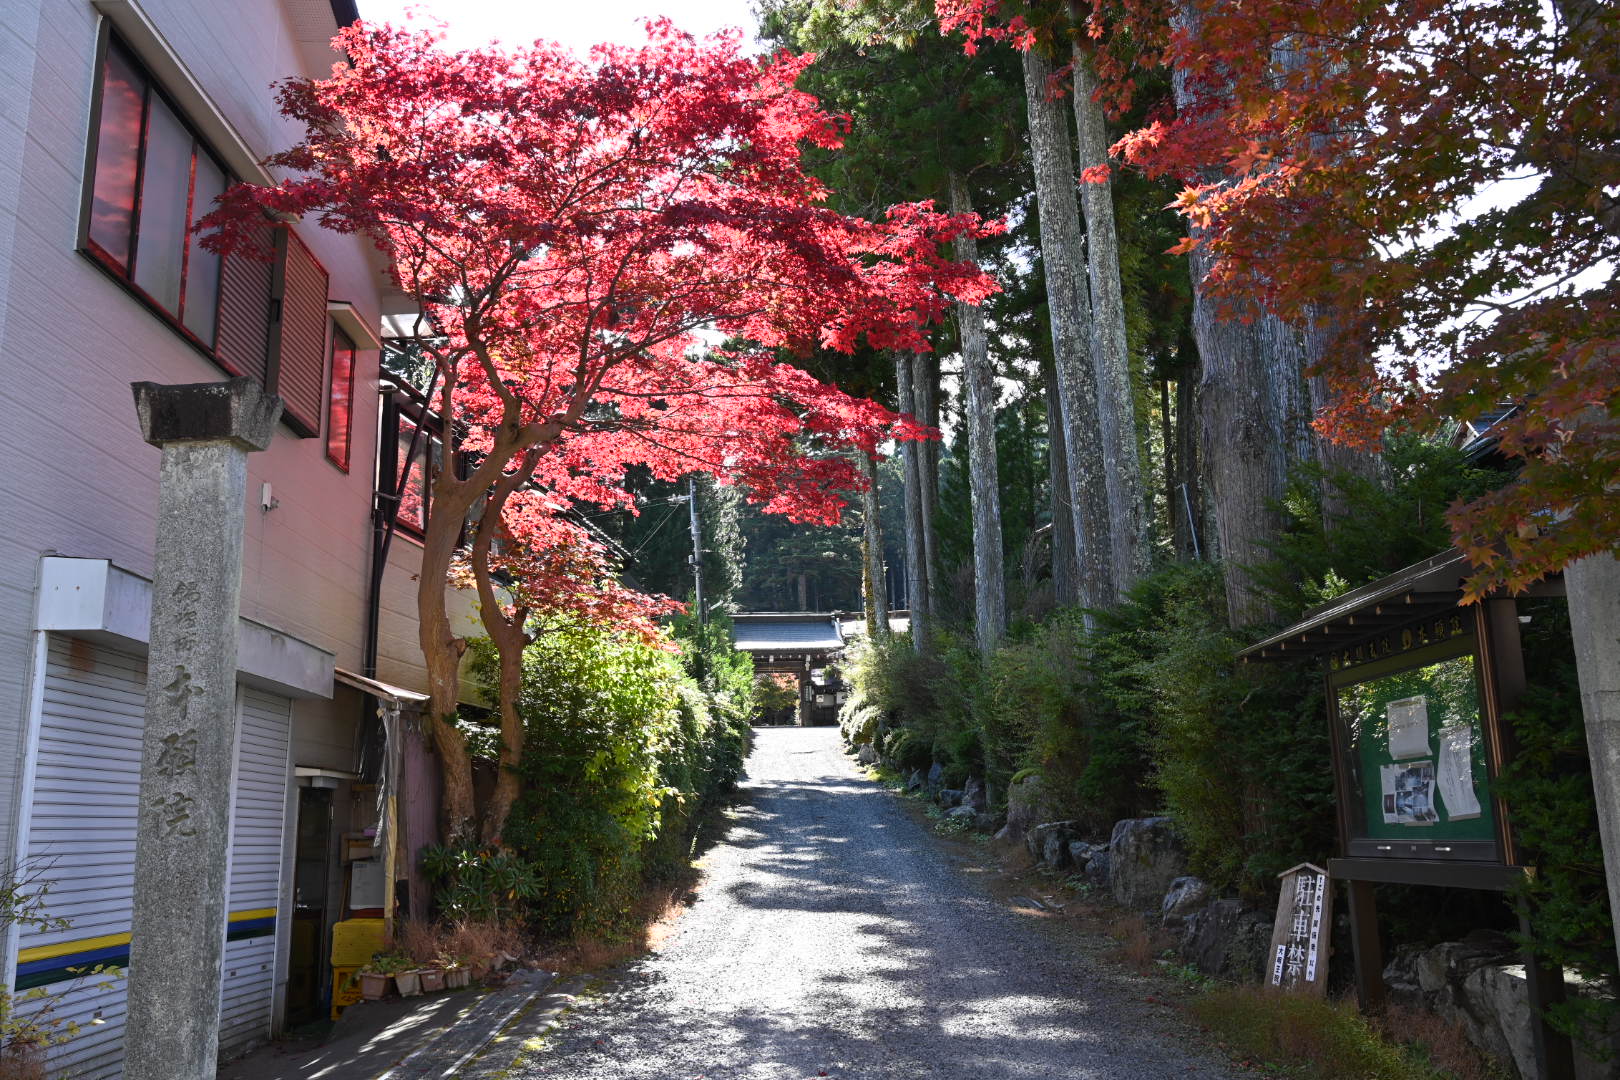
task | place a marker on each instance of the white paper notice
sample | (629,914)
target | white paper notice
(1408,727)
(1456,774)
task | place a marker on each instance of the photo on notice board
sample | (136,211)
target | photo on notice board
(1408,790)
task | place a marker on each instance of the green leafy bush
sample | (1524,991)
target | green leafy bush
(624,743)
(479,884)
(1548,790)
(1240,752)
(599,720)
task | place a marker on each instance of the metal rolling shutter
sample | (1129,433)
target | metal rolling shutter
(82,833)
(256,817)
(243,344)
(298,338)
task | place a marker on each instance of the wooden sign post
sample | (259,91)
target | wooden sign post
(1299,939)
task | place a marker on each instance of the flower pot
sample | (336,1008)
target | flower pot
(373,985)
(409,983)
(457,977)
(432,980)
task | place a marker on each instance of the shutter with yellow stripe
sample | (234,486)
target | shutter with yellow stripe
(81,841)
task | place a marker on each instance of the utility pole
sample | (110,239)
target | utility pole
(697,549)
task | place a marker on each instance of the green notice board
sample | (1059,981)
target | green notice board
(1415,741)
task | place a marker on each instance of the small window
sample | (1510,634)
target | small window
(410,486)
(151,181)
(340,400)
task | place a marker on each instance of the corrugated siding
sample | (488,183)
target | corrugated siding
(301,333)
(82,832)
(82,829)
(245,283)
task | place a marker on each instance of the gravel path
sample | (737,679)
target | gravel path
(833,937)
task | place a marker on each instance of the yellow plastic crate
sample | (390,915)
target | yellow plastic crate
(356,941)
(345,989)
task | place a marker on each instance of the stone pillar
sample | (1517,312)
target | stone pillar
(206,432)
(1593,587)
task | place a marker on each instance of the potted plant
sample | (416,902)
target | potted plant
(432,979)
(374,985)
(409,982)
(386,967)
(456,973)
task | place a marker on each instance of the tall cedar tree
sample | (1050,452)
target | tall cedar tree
(935,124)
(566,227)
(1087,305)
(1439,184)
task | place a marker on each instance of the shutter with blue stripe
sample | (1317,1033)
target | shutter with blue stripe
(81,840)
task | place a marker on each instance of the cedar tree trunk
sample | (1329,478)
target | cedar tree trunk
(1116,401)
(1069,305)
(925,385)
(1251,421)
(877,592)
(979,386)
(1064,591)
(916,554)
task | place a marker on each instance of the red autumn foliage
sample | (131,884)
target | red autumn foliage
(1439,181)
(570,229)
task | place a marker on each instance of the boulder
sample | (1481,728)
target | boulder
(1186,895)
(1096,869)
(1146,855)
(1048,843)
(916,782)
(1227,940)
(1480,985)
(1080,853)
(961,813)
(936,777)
(866,755)
(975,795)
(1027,805)
(949,797)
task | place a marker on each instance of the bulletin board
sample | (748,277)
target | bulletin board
(1414,748)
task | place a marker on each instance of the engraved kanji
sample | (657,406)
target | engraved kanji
(181,690)
(179,754)
(174,815)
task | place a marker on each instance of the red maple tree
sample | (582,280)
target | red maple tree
(1437,182)
(570,229)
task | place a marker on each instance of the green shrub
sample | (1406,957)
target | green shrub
(479,885)
(1240,752)
(1548,789)
(622,750)
(908,752)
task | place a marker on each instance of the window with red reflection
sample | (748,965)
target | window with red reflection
(415,481)
(151,181)
(339,410)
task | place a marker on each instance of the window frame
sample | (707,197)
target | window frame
(405,404)
(333,334)
(108,40)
